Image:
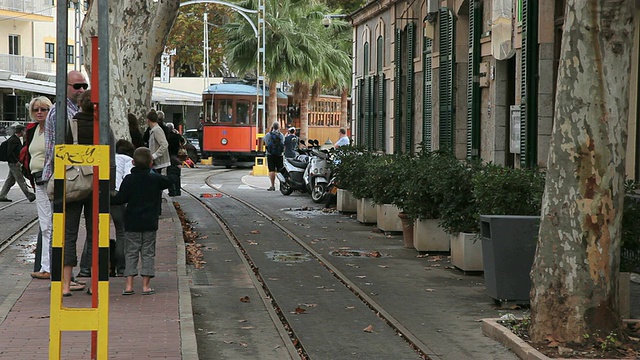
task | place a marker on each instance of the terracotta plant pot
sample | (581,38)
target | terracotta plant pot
(407,230)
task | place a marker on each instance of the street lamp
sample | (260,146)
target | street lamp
(326,19)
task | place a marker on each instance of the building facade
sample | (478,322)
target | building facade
(474,77)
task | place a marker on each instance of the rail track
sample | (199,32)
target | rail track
(15,229)
(278,298)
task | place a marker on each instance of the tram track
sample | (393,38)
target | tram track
(278,317)
(6,241)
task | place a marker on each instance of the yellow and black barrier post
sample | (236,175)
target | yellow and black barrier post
(96,318)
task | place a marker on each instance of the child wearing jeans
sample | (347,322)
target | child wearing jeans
(141,191)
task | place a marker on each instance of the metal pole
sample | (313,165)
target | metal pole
(205,62)
(61,74)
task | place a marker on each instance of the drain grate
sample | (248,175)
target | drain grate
(287,256)
(358,253)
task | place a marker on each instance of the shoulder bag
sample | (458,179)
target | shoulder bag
(78,179)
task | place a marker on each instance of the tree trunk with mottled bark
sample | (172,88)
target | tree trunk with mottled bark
(272,108)
(304,111)
(138,31)
(344,108)
(576,267)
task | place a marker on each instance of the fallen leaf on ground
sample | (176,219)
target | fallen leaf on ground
(298,310)
(361,276)
(383,266)
(227,341)
(430,290)
(245,299)
(350,307)
(422,255)
(368,329)
(247,327)
(255,231)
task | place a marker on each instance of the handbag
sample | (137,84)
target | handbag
(78,179)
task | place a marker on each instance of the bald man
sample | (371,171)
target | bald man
(76,85)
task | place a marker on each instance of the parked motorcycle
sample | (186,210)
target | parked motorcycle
(292,174)
(318,173)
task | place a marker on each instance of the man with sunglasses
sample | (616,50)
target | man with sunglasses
(76,85)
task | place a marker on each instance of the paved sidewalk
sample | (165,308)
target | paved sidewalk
(158,326)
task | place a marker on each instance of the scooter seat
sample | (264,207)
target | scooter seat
(297,163)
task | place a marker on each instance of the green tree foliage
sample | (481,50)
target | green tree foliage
(347,6)
(188,39)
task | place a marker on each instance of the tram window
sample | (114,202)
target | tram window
(242,112)
(209,111)
(225,111)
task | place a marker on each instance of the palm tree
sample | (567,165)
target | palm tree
(289,48)
(332,67)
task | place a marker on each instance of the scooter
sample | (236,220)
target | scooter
(318,173)
(292,174)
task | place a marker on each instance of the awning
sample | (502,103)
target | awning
(162,96)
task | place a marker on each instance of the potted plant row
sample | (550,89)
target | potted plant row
(351,170)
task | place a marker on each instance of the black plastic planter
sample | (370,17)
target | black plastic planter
(508,247)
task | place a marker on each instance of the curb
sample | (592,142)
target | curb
(189,345)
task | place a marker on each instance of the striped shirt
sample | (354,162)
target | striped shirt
(50,137)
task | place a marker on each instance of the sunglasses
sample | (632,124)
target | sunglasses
(77,86)
(36,110)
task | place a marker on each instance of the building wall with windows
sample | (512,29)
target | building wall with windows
(470,77)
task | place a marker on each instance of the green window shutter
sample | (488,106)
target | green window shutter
(529,85)
(447,119)
(473,86)
(367,113)
(365,58)
(427,102)
(410,34)
(360,111)
(371,114)
(397,128)
(380,53)
(382,102)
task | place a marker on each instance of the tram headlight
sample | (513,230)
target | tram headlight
(224,141)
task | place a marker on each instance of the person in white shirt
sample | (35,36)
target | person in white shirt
(343,140)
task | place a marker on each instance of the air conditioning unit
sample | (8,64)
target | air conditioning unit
(433,6)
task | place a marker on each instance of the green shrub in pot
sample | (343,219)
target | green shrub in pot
(352,170)
(421,201)
(388,174)
(458,211)
(500,190)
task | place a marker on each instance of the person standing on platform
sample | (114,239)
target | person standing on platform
(141,191)
(33,162)
(14,145)
(76,86)
(290,143)
(274,142)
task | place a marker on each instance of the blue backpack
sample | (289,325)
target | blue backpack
(275,146)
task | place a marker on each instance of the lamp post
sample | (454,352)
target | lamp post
(259,31)
(326,19)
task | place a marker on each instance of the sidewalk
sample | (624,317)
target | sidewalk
(158,326)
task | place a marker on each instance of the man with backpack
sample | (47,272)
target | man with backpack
(274,140)
(12,147)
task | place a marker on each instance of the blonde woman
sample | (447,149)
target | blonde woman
(33,164)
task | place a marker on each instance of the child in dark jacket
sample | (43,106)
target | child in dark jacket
(141,191)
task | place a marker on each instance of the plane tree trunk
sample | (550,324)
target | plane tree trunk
(138,31)
(576,267)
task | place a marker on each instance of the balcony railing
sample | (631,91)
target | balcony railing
(37,7)
(18,64)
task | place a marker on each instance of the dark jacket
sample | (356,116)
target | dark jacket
(141,192)
(174,139)
(25,155)
(13,149)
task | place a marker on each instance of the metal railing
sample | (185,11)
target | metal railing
(19,64)
(37,7)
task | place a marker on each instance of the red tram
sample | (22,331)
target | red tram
(230,133)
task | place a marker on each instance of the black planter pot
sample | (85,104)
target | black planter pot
(508,248)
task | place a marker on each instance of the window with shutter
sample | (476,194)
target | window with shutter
(473,86)
(529,85)
(427,102)
(446,80)
(410,39)
(397,128)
